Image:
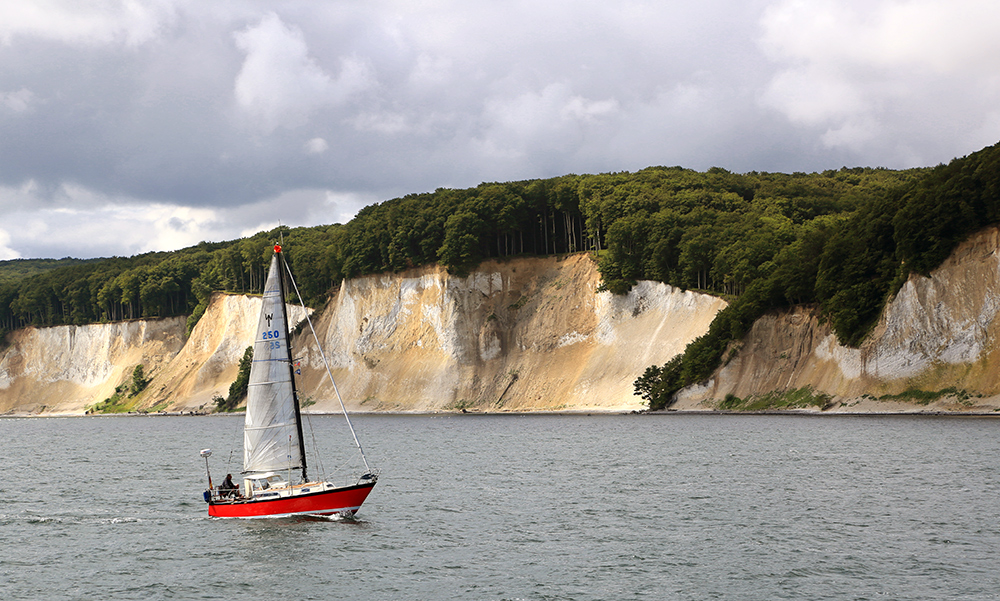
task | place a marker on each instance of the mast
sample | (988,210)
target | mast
(291,367)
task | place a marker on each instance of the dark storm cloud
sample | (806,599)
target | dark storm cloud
(132,126)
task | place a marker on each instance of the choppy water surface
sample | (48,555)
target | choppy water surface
(518,507)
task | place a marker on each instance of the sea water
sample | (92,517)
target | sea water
(499,507)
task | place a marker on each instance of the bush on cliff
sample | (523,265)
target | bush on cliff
(238,389)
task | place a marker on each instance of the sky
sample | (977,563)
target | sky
(130,126)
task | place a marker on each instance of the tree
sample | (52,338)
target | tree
(139,381)
(238,389)
(658,385)
(462,239)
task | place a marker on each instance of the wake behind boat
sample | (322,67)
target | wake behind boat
(275,474)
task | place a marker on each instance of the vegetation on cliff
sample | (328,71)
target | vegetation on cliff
(238,389)
(123,398)
(850,265)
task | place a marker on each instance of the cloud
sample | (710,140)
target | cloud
(814,95)
(554,117)
(316,146)
(127,229)
(78,222)
(943,37)
(167,120)
(17,102)
(279,84)
(860,71)
(387,123)
(299,207)
(95,22)
(6,252)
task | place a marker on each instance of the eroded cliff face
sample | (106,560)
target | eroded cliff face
(939,332)
(65,368)
(208,362)
(519,335)
(526,334)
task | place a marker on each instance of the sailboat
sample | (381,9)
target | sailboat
(275,474)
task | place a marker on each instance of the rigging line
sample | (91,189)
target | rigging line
(312,432)
(326,363)
(238,436)
(343,467)
(316,453)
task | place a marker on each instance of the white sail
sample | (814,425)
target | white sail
(271,439)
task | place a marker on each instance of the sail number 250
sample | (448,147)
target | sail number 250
(271,335)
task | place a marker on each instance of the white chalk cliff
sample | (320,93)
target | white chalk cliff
(939,332)
(524,334)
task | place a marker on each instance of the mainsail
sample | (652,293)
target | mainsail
(272,439)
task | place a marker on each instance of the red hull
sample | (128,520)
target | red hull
(341,500)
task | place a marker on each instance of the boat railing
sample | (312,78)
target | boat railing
(225,494)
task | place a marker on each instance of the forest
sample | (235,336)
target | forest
(17,269)
(843,240)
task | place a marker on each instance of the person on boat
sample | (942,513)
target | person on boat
(228,488)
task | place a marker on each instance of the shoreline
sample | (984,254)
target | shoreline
(567,413)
